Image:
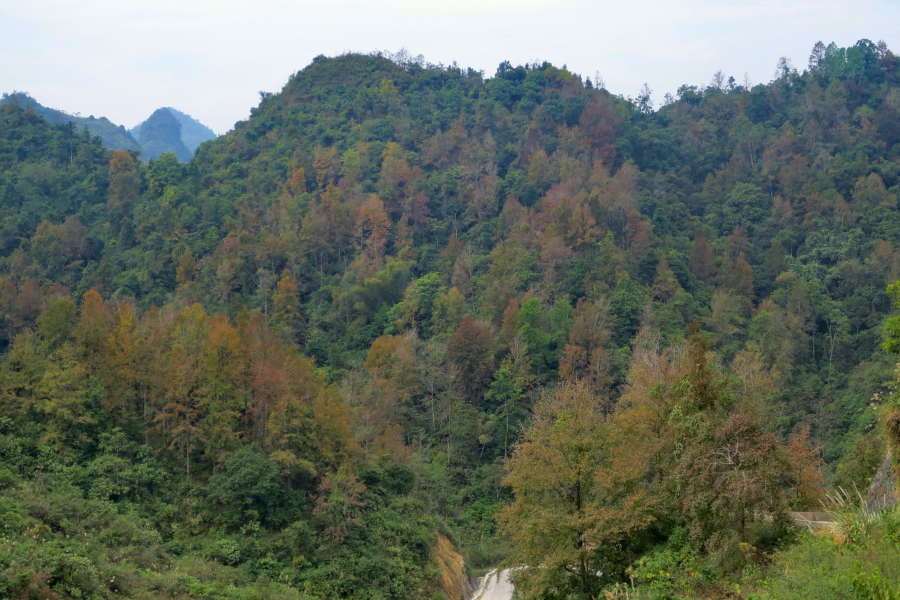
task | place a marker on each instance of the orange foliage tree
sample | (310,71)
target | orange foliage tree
(577,480)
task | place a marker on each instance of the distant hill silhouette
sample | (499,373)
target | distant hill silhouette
(193,132)
(115,137)
(161,133)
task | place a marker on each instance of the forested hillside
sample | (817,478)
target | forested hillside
(405,301)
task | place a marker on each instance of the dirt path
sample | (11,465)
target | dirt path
(495,587)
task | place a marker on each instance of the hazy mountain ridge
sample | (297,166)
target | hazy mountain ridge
(180,135)
(115,137)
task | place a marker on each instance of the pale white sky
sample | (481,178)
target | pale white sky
(210,58)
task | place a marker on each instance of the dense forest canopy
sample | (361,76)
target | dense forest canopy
(373,314)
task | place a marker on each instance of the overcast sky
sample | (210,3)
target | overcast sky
(210,58)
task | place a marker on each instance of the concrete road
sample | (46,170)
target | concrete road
(495,587)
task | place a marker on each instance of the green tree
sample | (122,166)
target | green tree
(417,309)
(248,488)
(626,304)
(448,311)
(533,328)
(746,206)
(121,470)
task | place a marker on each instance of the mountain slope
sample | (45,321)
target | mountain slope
(115,137)
(332,327)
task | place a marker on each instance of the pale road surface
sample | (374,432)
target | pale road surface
(495,587)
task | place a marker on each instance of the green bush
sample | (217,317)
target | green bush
(250,486)
(858,562)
